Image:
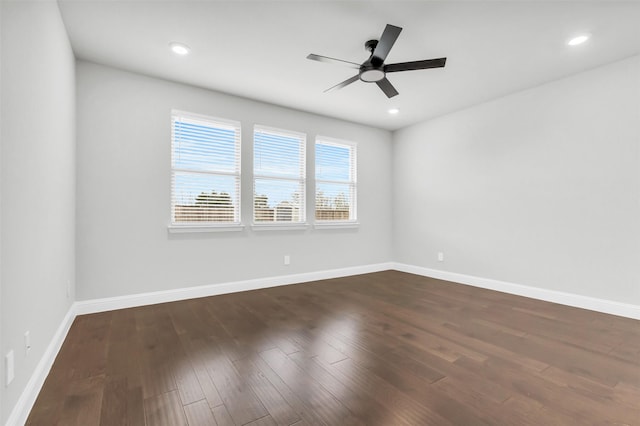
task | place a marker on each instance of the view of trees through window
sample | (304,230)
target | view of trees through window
(332,208)
(208,207)
(284,211)
(218,207)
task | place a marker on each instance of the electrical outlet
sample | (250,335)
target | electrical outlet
(27,343)
(9,366)
(440,256)
(287,259)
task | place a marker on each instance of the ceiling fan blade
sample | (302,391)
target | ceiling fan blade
(344,83)
(415,65)
(387,39)
(329,60)
(387,87)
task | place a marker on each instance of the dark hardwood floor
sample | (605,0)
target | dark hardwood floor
(379,349)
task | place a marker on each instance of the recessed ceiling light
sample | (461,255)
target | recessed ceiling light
(179,48)
(393,111)
(578,40)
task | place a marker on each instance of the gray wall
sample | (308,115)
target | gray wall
(38,183)
(124,190)
(540,188)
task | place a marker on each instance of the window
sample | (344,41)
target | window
(205,171)
(278,176)
(336,182)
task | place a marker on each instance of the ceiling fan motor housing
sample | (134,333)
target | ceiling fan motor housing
(370,45)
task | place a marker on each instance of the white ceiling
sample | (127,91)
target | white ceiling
(258,49)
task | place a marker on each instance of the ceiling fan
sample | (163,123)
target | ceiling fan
(374,70)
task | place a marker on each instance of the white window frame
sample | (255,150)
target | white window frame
(301,180)
(205,226)
(352,221)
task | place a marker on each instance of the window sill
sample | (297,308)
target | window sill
(335,225)
(180,229)
(279,226)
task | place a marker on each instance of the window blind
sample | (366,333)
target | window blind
(205,170)
(279,167)
(336,180)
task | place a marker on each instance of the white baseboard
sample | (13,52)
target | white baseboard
(133,300)
(28,397)
(569,299)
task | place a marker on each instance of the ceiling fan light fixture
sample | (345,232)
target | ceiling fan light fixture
(179,48)
(575,41)
(374,69)
(371,76)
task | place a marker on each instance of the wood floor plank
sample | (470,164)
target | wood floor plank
(50,401)
(198,353)
(520,410)
(264,421)
(387,348)
(445,410)
(279,410)
(628,403)
(545,392)
(83,402)
(301,406)
(369,412)
(187,381)
(157,380)
(135,407)
(323,403)
(164,410)
(239,399)
(482,405)
(94,347)
(200,414)
(222,416)
(114,401)
(248,332)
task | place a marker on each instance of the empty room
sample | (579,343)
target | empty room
(319,212)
